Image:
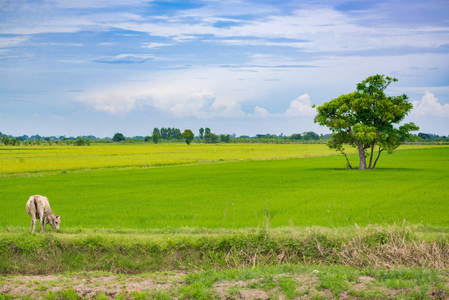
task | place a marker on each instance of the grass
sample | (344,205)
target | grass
(373,262)
(142,251)
(314,191)
(273,282)
(20,160)
(29,160)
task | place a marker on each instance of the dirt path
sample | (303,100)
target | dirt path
(176,285)
(89,285)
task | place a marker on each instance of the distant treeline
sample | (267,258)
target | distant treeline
(175,135)
(433,137)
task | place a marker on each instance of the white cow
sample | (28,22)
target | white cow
(38,207)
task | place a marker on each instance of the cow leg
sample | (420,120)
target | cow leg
(43,224)
(42,218)
(33,223)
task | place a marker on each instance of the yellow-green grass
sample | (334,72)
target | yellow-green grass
(136,251)
(408,185)
(36,159)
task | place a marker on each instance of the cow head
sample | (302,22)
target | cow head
(55,222)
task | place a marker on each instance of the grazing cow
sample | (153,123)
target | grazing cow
(38,207)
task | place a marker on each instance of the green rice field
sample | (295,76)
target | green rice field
(225,222)
(19,160)
(224,186)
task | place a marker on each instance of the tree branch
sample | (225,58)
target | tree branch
(347,160)
(378,155)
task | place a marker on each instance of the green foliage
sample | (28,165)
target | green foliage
(225,138)
(334,280)
(80,141)
(161,295)
(288,287)
(170,134)
(155,137)
(5,140)
(10,141)
(188,136)
(118,137)
(102,296)
(68,294)
(296,137)
(196,291)
(166,134)
(210,138)
(310,135)
(367,117)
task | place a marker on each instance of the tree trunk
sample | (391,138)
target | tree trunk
(362,165)
(371,156)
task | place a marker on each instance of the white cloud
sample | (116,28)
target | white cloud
(124,59)
(318,29)
(202,104)
(111,103)
(155,45)
(301,107)
(196,104)
(429,106)
(226,109)
(261,42)
(62,44)
(58,22)
(95,3)
(260,112)
(107,44)
(6,42)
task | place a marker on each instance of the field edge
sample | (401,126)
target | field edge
(135,252)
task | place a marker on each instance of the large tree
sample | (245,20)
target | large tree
(366,118)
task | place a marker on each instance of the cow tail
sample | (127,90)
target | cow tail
(35,203)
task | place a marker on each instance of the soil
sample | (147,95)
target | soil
(93,286)
(85,285)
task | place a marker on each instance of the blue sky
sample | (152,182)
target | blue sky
(239,66)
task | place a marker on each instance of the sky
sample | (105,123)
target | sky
(244,67)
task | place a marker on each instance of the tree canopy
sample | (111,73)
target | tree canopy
(366,118)
(118,137)
(188,136)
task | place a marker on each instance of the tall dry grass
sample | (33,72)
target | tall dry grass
(392,248)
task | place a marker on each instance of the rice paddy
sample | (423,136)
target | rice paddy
(16,160)
(224,186)
(212,212)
